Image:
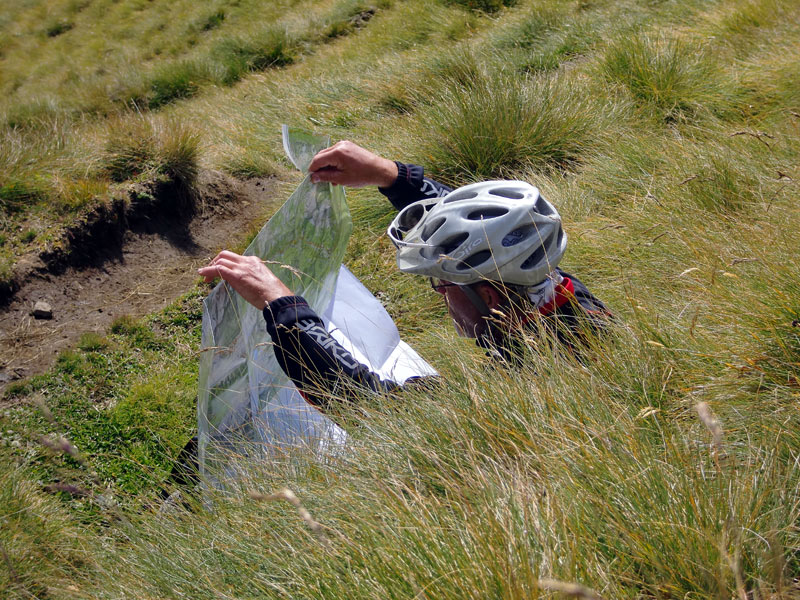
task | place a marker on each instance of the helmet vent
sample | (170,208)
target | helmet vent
(507,193)
(487,213)
(543,207)
(475,260)
(456,196)
(452,243)
(409,218)
(515,237)
(431,228)
(534,260)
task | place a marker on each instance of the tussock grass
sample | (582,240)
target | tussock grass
(208,21)
(459,70)
(36,113)
(58,27)
(229,59)
(739,25)
(632,167)
(30,159)
(15,194)
(666,74)
(772,84)
(486,6)
(347,16)
(716,183)
(67,96)
(558,50)
(7,283)
(155,59)
(493,125)
(175,81)
(244,164)
(533,28)
(147,147)
(235,56)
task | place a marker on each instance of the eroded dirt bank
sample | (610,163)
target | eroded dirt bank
(137,270)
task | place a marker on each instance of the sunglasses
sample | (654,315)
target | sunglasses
(438,285)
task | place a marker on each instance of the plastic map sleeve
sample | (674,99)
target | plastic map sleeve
(247,407)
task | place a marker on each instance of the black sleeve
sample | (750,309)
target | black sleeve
(585,299)
(575,320)
(412,185)
(317,364)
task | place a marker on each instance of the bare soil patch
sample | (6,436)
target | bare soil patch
(132,267)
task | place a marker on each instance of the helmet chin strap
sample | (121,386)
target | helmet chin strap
(482,308)
(476,300)
(491,338)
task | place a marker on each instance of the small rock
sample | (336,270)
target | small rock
(42,310)
(106,500)
(171,504)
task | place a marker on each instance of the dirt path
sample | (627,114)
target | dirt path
(155,263)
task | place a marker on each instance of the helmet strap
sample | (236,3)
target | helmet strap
(492,336)
(495,337)
(476,300)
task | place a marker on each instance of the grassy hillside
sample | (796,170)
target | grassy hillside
(664,466)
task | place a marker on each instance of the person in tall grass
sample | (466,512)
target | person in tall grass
(491,249)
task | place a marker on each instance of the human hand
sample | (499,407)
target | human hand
(346,163)
(248,275)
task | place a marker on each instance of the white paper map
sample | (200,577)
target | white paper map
(246,403)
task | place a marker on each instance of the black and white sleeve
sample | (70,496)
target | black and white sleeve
(319,366)
(412,185)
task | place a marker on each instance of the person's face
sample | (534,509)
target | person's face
(467,319)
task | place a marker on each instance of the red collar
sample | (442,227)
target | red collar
(565,291)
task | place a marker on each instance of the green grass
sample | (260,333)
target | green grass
(491,126)
(668,75)
(148,147)
(545,476)
(175,81)
(236,56)
(92,342)
(55,111)
(674,165)
(16,194)
(40,544)
(209,21)
(486,6)
(717,184)
(58,27)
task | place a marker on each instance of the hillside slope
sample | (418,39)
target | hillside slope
(663,466)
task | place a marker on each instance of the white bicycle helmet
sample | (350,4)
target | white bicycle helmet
(494,230)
